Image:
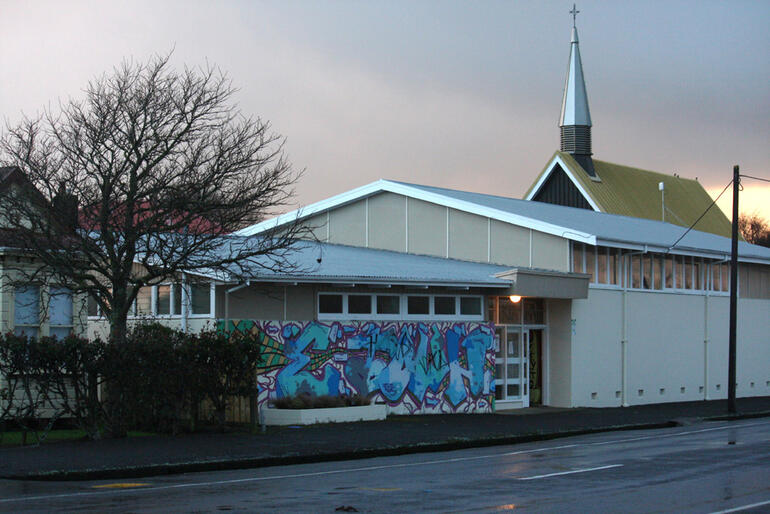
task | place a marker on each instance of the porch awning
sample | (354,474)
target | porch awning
(546,283)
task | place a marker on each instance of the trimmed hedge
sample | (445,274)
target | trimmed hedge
(153,381)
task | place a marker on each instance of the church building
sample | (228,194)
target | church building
(432,300)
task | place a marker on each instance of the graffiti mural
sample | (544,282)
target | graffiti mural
(413,367)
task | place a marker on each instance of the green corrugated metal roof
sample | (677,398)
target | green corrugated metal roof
(634,192)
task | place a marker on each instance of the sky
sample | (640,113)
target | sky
(465,95)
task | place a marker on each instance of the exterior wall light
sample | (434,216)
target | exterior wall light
(515,298)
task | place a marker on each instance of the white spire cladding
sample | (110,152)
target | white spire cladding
(575,120)
(574,105)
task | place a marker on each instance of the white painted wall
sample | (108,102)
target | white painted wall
(667,358)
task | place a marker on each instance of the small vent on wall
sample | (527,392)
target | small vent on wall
(719,386)
(700,389)
(593,396)
(681,390)
(662,391)
(617,394)
(640,392)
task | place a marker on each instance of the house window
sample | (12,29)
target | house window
(60,312)
(330,303)
(359,306)
(200,298)
(144,302)
(725,277)
(444,305)
(658,272)
(93,306)
(388,304)
(577,257)
(669,265)
(601,262)
(26,313)
(418,305)
(591,262)
(646,271)
(613,266)
(163,302)
(360,303)
(470,305)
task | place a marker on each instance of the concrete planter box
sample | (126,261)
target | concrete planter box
(332,415)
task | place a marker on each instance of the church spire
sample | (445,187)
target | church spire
(575,120)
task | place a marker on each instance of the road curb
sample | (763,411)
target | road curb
(364,453)
(285,460)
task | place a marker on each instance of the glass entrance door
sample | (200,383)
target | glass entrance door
(511,364)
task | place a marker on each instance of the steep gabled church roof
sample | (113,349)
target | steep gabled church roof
(634,192)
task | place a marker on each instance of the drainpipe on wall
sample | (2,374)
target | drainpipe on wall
(624,330)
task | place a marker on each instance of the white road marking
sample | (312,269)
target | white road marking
(367,468)
(585,470)
(744,507)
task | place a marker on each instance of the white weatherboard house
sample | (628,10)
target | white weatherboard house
(431,300)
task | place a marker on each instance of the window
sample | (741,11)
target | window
(613,266)
(388,304)
(60,312)
(680,273)
(144,301)
(470,305)
(534,311)
(725,277)
(658,272)
(688,271)
(601,261)
(163,302)
(418,305)
(646,271)
(591,262)
(444,305)
(26,313)
(669,270)
(200,298)
(636,281)
(697,267)
(93,306)
(330,303)
(577,257)
(360,304)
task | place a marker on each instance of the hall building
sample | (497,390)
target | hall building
(432,300)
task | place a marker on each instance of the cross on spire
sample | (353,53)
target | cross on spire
(574,12)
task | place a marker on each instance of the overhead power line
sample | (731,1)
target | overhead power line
(700,217)
(756,178)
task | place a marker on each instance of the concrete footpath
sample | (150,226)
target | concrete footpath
(148,456)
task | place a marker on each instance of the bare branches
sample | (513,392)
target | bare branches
(162,166)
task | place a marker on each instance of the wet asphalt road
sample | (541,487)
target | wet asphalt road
(705,467)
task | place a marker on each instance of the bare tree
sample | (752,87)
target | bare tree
(754,229)
(146,178)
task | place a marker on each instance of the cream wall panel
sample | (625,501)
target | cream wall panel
(549,252)
(559,372)
(596,349)
(347,225)
(509,244)
(427,228)
(468,236)
(318,224)
(300,303)
(387,222)
(665,347)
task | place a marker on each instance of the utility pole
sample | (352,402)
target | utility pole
(733,296)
